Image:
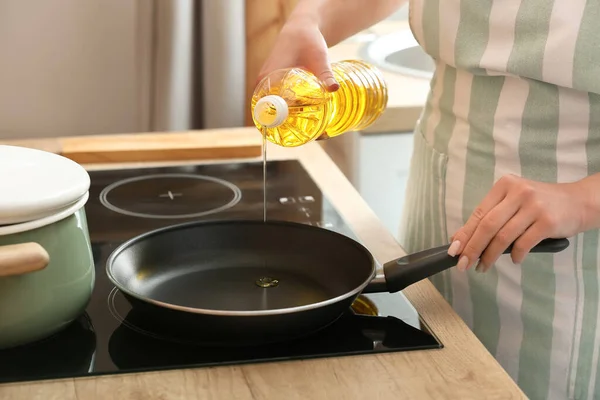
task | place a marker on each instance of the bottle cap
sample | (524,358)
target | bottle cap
(271,111)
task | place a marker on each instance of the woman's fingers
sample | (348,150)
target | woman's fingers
(528,240)
(510,233)
(498,225)
(490,201)
(516,212)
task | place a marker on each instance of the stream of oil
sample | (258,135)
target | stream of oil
(264,155)
(265,281)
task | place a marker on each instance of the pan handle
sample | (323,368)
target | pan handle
(412,268)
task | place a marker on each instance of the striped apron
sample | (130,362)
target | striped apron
(516,90)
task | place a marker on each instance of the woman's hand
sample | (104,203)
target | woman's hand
(315,25)
(301,44)
(524,212)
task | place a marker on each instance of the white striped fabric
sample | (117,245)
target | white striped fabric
(457,148)
(516,90)
(507,125)
(572,136)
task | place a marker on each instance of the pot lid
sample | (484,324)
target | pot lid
(36,183)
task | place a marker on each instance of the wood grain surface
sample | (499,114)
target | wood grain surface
(463,369)
(149,147)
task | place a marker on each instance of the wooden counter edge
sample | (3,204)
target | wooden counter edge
(462,369)
(151,146)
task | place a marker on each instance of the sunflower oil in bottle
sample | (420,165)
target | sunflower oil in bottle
(291,107)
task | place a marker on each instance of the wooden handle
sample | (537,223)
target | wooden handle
(23,258)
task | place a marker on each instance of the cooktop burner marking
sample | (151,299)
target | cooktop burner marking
(112,307)
(236,193)
(170,195)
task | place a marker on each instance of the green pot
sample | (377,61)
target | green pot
(46,263)
(37,304)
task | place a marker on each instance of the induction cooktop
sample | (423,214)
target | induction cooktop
(111,337)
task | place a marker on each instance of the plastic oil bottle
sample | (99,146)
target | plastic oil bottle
(291,107)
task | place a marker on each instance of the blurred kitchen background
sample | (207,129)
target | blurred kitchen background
(87,67)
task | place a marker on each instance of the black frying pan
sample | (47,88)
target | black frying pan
(251,282)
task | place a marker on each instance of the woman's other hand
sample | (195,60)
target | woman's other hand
(522,212)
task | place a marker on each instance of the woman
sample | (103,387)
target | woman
(507,150)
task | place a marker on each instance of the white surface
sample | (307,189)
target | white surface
(399,52)
(35,183)
(382,174)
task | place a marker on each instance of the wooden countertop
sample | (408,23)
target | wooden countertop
(463,369)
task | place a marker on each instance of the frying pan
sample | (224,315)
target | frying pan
(245,282)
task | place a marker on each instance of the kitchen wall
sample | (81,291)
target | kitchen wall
(81,67)
(72,67)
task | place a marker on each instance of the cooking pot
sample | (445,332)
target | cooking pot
(46,263)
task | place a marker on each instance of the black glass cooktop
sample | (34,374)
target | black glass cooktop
(112,337)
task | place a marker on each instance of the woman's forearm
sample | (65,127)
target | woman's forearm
(340,19)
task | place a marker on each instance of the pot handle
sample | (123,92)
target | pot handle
(22,258)
(414,267)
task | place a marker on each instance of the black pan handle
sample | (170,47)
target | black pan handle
(414,267)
